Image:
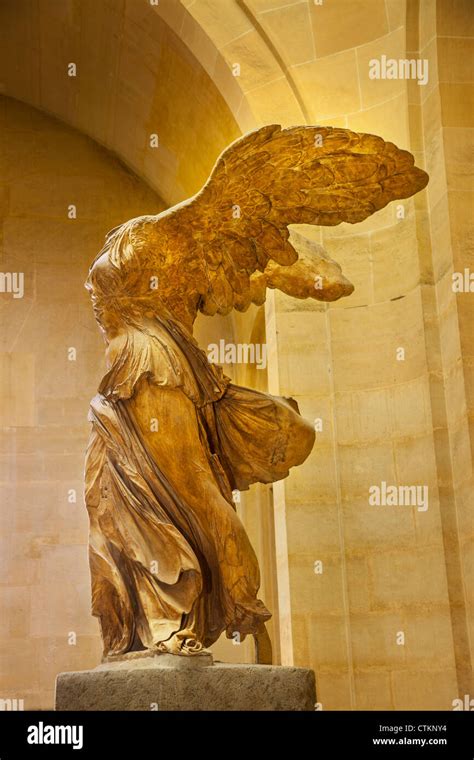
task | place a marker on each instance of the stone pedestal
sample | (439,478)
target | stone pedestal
(170,682)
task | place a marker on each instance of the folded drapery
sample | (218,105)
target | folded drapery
(171,438)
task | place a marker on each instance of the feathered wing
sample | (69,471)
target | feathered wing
(274,177)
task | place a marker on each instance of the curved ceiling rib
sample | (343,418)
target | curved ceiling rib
(133,77)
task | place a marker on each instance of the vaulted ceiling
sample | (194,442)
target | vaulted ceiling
(135,78)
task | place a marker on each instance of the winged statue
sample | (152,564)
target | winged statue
(172,437)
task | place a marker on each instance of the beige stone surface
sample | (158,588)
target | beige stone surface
(257,65)
(294,48)
(389,117)
(455,59)
(349,25)
(435,689)
(374,91)
(117,96)
(319,79)
(274,101)
(352,252)
(454,19)
(457,104)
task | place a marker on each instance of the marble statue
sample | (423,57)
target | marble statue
(172,437)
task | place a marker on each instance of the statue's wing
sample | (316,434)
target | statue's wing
(274,177)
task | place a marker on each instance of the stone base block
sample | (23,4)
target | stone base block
(170,682)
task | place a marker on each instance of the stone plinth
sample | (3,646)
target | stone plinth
(170,682)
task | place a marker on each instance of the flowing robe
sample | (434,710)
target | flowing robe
(171,439)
